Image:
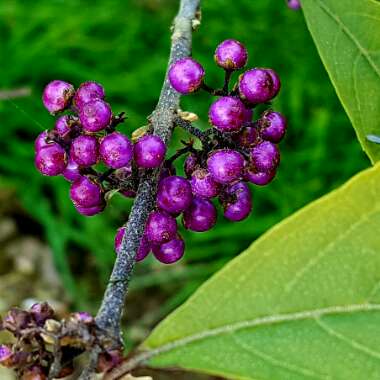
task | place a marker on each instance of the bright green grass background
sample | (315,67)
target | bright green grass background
(124,45)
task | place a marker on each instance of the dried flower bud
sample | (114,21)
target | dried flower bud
(6,356)
(41,312)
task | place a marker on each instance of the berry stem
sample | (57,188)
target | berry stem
(227,78)
(211,90)
(188,127)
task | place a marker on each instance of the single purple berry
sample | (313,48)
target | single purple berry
(62,125)
(51,160)
(90,211)
(160,228)
(5,355)
(294,4)
(231,55)
(225,165)
(86,193)
(227,114)
(40,141)
(84,150)
(258,85)
(41,312)
(116,150)
(259,178)
(57,96)
(142,251)
(276,82)
(87,92)
(186,75)
(236,201)
(191,164)
(170,252)
(203,184)
(149,152)
(200,216)
(247,137)
(265,156)
(95,115)
(272,126)
(72,171)
(174,194)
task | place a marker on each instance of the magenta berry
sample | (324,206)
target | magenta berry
(170,252)
(87,92)
(62,125)
(90,211)
(225,165)
(237,201)
(57,96)
(191,163)
(247,137)
(265,156)
(294,4)
(186,75)
(95,115)
(41,141)
(276,82)
(200,216)
(227,114)
(203,184)
(149,152)
(86,193)
(85,150)
(51,160)
(174,194)
(72,171)
(116,150)
(259,178)
(160,227)
(231,55)
(272,126)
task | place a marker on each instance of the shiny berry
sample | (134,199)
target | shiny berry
(259,178)
(174,194)
(57,96)
(191,163)
(200,216)
(265,156)
(231,55)
(186,75)
(62,125)
(95,115)
(86,193)
(160,227)
(51,160)
(84,150)
(272,126)
(203,184)
(90,211)
(72,171)
(116,150)
(247,137)
(170,252)
(40,141)
(227,114)
(225,165)
(149,152)
(87,92)
(237,201)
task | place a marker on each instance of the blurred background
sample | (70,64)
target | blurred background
(47,250)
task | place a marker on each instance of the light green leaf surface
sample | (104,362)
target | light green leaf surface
(347,36)
(303,302)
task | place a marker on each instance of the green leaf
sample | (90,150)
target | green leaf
(347,35)
(303,302)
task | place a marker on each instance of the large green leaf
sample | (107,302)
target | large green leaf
(347,35)
(302,302)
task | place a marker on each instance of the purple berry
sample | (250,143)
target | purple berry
(51,160)
(203,184)
(57,96)
(191,164)
(186,75)
(276,82)
(259,178)
(116,150)
(90,211)
(86,193)
(227,114)
(272,126)
(149,152)
(247,137)
(62,125)
(174,194)
(160,227)
(170,252)
(87,92)
(258,85)
(265,156)
(294,4)
(95,115)
(72,171)
(225,165)
(40,141)
(237,201)
(85,150)
(231,55)
(200,216)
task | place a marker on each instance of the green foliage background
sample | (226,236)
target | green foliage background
(124,45)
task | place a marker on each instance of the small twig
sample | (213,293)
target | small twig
(227,79)
(187,126)
(180,152)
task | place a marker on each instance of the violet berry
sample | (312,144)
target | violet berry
(186,75)
(225,165)
(294,4)
(40,141)
(116,150)
(72,171)
(227,114)
(51,160)
(90,211)
(57,96)
(84,150)
(160,228)
(62,125)
(87,92)
(247,137)
(200,216)
(174,194)
(149,152)
(95,115)
(142,251)
(265,156)
(86,193)
(170,252)
(203,184)
(259,178)
(191,163)
(231,55)
(272,126)
(237,201)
